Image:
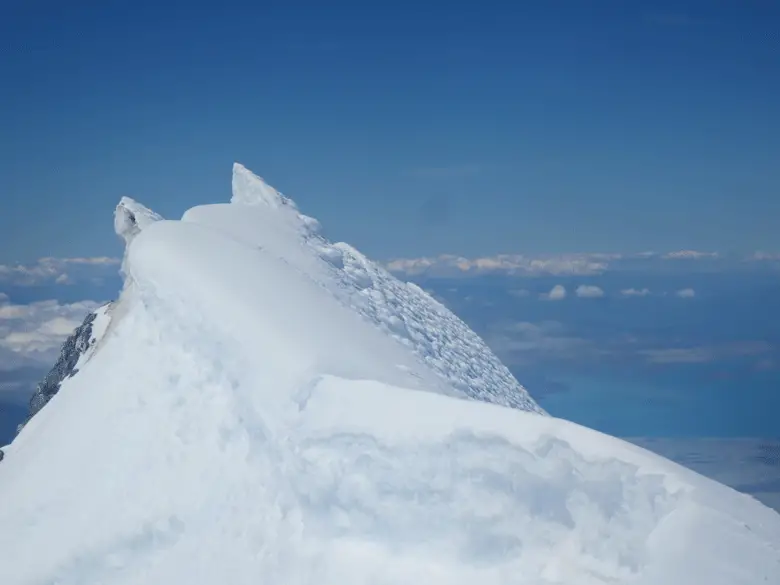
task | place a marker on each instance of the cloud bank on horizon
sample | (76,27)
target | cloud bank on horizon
(557,293)
(575,264)
(31,334)
(32,327)
(51,270)
(585,291)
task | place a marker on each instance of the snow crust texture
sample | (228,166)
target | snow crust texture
(441,341)
(266,407)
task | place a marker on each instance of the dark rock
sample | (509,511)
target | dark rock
(73,348)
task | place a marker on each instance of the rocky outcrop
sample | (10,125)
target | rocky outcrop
(73,353)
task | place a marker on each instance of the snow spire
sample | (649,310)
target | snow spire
(131,217)
(249,189)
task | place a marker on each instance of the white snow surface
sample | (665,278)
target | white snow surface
(131,217)
(266,407)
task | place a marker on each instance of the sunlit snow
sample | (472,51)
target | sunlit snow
(264,406)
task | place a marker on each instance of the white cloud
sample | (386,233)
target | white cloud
(586,291)
(633,292)
(557,293)
(55,270)
(510,264)
(686,293)
(92,261)
(410,265)
(689,255)
(572,264)
(34,333)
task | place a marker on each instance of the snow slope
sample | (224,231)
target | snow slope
(266,407)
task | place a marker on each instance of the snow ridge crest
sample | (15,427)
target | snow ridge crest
(250,189)
(131,217)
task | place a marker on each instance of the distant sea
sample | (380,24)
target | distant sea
(683,401)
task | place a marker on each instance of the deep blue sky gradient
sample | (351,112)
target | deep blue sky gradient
(407,128)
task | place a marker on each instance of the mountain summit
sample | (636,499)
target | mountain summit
(263,406)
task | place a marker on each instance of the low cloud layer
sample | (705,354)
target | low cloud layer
(509,264)
(576,264)
(557,293)
(585,291)
(58,271)
(689,255)
(32,334)
(635,292)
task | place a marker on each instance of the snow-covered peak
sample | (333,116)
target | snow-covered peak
(130,217)
(266,406)
(447,354)
(250,189)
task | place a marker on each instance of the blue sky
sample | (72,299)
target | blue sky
(407,128)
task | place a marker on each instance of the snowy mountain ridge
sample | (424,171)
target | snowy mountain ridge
(264,406)
(452,350)
(131,217)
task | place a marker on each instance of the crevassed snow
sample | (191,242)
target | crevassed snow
(247,420)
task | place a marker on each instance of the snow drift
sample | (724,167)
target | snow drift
(263,406)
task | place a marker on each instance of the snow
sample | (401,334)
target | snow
(264,406)
(131,217)
(400,310)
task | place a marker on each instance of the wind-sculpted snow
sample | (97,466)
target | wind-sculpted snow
(131,217)
(445,346)
(258,413)
(433,332)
